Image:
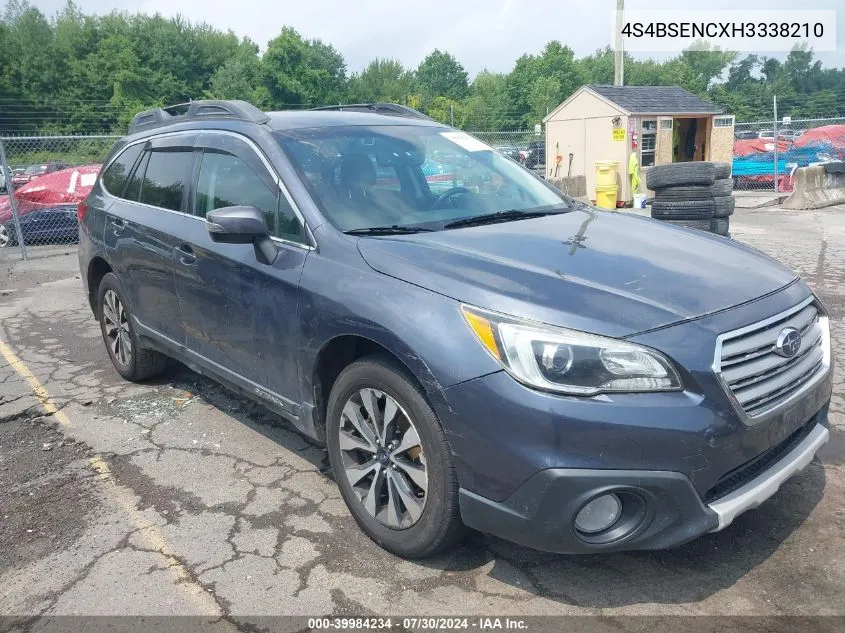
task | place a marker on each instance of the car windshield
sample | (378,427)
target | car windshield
(412,177)
(35,169)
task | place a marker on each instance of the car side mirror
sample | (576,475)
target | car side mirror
(242,225)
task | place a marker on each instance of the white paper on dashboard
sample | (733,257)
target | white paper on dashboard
(466,141)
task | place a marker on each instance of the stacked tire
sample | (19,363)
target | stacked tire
(696,195)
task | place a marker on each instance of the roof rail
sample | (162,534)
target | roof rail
(194,110)
(393,109)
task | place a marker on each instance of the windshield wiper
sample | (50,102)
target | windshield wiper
(502,216)
(387,230)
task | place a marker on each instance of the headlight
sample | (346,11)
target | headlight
(568,361)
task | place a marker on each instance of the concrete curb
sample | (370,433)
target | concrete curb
(817,187)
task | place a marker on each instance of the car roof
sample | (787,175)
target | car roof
(279,121)
(300,119)
(240,116)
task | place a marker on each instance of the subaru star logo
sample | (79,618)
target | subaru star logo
(788,343)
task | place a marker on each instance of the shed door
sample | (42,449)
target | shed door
(665,141)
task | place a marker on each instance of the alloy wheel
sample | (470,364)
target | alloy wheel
(383,458)
(5,238)
(116,327)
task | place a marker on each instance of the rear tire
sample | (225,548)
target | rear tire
(407,453)
(130,359)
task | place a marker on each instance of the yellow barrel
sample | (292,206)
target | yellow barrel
(606,172)
(606,196)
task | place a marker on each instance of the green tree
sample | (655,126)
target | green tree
(30,43)
(299,72)
(701,68)
(440,109)
(598,67)
(538,83)
(441,75)
(74,72)
(382,80)
(240,77)
(488,106)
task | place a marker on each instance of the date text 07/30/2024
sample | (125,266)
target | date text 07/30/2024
(417,624)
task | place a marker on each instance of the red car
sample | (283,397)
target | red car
(46,206)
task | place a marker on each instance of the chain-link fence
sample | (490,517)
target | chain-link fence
(49,175)
(44,179)
(524,146)
(762,163)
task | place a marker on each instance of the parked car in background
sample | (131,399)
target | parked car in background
(766,134)
(508,150)
(47,225)
(789,134)
(43,204)
(34,171)
(464,364)
(535,154)
(741,135)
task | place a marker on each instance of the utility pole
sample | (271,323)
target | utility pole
(619,53)
(452,115)
(775,134)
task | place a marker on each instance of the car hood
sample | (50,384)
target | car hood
(608,273)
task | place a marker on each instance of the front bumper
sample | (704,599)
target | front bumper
(541,513)
(756,491)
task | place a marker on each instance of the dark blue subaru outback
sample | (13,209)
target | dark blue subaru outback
(474,348)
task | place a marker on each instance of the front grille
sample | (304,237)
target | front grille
(748,471)
(758,378)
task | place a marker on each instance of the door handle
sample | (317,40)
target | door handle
(118,225)
(186,254)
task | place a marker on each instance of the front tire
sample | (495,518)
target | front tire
(391,460)
(131,361)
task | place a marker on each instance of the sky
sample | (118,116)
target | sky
(481,34)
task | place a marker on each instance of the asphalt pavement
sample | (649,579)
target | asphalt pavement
(179,497)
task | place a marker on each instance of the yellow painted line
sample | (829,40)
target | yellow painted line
(38,389)
(149,532)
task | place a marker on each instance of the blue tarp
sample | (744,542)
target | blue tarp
(763,164)
(757,166)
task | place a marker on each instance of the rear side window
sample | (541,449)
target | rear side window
(165,177)
(133,187)
(115,175)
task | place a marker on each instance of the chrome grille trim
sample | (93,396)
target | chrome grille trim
(761,351)
(754,378)
(757,380)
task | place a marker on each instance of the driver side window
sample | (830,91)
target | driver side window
(225,181)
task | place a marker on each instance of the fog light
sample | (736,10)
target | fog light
(598,515)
